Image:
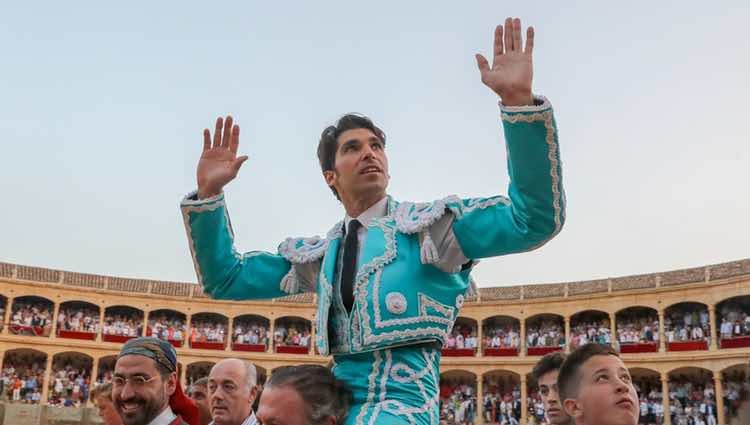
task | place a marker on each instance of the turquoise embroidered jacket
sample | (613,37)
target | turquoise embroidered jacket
(403,294)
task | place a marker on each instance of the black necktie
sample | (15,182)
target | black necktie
(349,266)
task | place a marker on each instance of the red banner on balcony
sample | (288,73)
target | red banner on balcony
(117,338)
(458,352)
(739,342)
(501,352)
(687,345)
(540,351)
(35,330)
(205,345)
(292,349)
(91,336)
(256,348)
(645,347)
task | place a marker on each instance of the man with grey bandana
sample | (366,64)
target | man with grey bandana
(145,387)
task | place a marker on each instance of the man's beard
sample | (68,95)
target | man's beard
(149,409)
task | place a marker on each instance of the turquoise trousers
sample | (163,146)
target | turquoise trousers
(392,386)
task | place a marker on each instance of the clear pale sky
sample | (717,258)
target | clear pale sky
(102,108)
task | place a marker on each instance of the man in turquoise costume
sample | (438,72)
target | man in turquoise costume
(390,277)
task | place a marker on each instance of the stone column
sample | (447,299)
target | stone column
(719,391)
(54,320)
(6,319)
(94,374)
(100,328)
(662,342)
(524,406)
(312,338)
(47,380)
(567,334)
(186,341)
(229,335)
(480,404)
(145,323)
(613,331)
(270,336)
(665,398)
(713,328)
(522,339)
(480,339)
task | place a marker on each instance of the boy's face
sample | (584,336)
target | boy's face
(606,395)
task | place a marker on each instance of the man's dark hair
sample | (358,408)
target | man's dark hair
(328,144)
(324,395)
(550,362)
(201,382)
(568,378)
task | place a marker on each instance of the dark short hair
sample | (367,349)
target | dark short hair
(568,378)
(328,144)
(550,362)
(324,395)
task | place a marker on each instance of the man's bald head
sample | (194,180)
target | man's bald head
(232,391)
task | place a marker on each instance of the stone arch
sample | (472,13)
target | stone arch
(78,319)
(292,335)
(169,325)
(31,315)
(732,324)
(647,383)
(501,336)
(637,329)
(545,333)
(106,367)
(686,326)
(71,370)
(462,340)
(121,323)
(250,333)
(456,386)
(26,363)
(590,326)
(208,330)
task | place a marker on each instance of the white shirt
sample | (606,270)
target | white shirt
(250,420)
(164,418)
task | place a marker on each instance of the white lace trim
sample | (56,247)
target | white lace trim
(414,217)
(187,201)
(461,208)
(546,117)
(303,250)
(527,108)
(370,388)
(395,302)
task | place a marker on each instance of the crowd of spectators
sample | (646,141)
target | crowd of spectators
(547,333)
(122,323)
(499,336)
(69,386)
(458,403)
(167,327)
(535,409)
(650,400)
(501,404)
(687,324)
(77,318)
(22,378)
(587,331)
(250,332)
(297,334)
(692,401)
(207,331)
(638,328)
(29,317)
(736,387)
(462,336)
(734,322)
